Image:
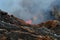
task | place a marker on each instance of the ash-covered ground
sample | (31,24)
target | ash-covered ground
(13,28)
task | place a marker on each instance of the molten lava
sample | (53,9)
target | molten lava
(29,21)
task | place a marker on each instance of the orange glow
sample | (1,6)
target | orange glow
(29,21)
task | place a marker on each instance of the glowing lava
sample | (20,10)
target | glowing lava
(29,21)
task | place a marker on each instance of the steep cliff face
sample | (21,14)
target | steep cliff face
(13,28)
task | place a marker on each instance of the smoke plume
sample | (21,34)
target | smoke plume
(35,10)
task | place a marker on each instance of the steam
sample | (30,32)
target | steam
(35,10)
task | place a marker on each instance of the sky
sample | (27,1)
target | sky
(35,10)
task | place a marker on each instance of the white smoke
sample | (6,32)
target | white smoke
(27,9)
